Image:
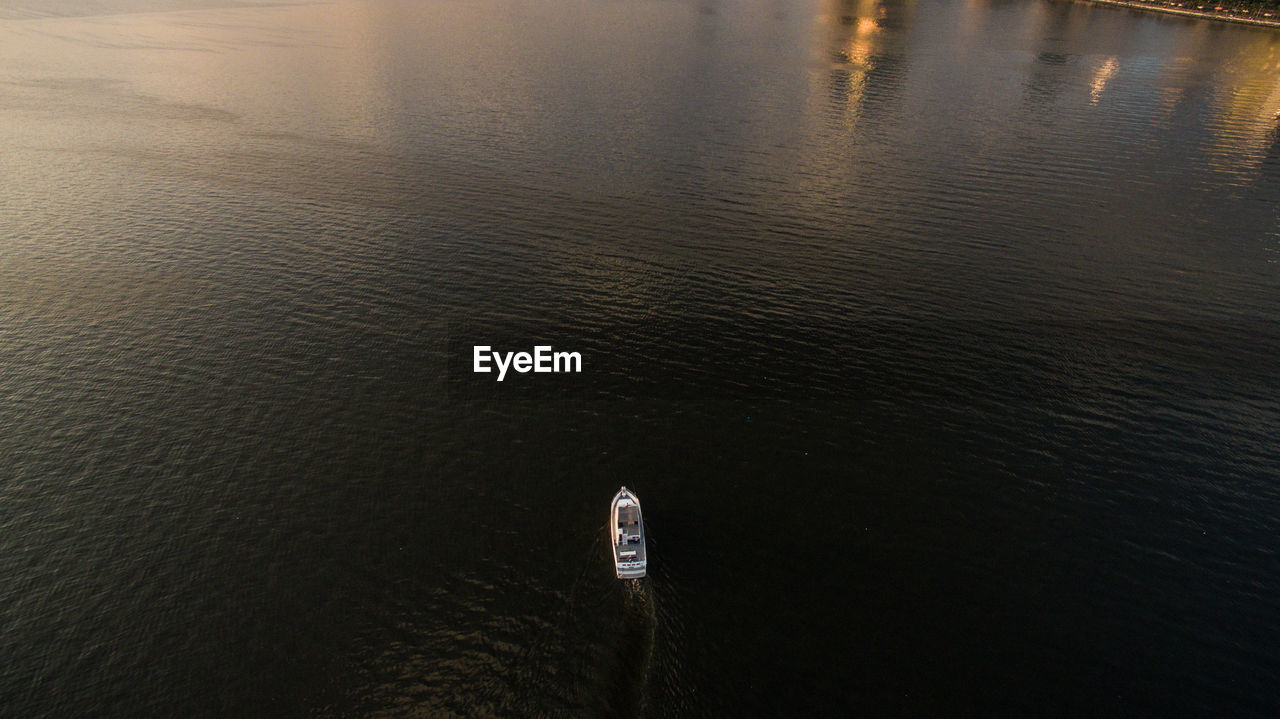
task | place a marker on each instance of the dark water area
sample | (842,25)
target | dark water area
(938,340)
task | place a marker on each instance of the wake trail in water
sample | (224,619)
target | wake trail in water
(621,668)
(630,664)
(553,638)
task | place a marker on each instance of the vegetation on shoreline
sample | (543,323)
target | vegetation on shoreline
(1259,11)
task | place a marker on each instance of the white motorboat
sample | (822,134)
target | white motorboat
(627,531)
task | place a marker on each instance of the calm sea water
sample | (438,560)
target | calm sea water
(939,340)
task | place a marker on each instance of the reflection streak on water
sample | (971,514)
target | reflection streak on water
(1100,78)
(853,26)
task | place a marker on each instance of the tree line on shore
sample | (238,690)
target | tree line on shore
(1248,7)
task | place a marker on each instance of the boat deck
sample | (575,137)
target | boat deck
(630,538)
(629,553)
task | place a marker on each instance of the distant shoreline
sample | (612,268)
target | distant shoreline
(1206,14)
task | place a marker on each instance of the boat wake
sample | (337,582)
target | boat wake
(622,665)
(631,660)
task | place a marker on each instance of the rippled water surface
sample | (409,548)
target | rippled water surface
(938,338)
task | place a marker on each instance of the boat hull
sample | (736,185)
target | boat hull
(627,536)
